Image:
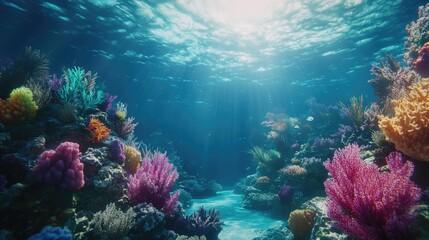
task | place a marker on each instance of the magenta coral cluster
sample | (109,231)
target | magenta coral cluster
(61,167)
(153,182)
(366,203)
(421,65)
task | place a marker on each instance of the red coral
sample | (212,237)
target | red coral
(421,65)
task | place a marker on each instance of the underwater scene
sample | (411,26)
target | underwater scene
(214,119)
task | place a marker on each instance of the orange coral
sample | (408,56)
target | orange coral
(98,130)
(263,179)
(301,223)
(293,170)
(132,159)
(409,128)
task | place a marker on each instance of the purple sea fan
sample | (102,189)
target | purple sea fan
(366,203)
(61,167)
(56,83)
(153,182)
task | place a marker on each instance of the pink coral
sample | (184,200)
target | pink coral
(153,182)
(61,167)
(421,65)
(367,204)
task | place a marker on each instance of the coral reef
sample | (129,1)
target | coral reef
(147,218)
(112,223)
(53,233)
(31,65)
(301,222)
(418,34)
(421,65)
(408,129)
(368,204)
(153,182)
(201,223)
(355,111)
(117,150)
(79,89)
(98,130)
(19,107)
(132,159)
(61,167)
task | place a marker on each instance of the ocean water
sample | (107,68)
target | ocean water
(199,77)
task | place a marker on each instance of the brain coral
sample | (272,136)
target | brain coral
(408,129)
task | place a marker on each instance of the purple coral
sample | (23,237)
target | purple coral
(153,182)
(322,143)
(367,204)
(200,223)
(117,151)
(421,65)
(106,104)
(56,83)
(285,194)
(61,167)
(128,127)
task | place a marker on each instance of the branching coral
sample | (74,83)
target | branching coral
(19,107)
(32,64)
(79,89)
(418,34)
(98,130)
(41,91)
(391,80)
(355,111)
(270,159)
(201,223)
(366,203)
(153,182)
(276,122)
(112,223)
(408,129)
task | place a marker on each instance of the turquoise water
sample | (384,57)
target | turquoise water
(240,223)
(257,90)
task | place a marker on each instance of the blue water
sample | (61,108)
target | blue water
(240,223)
(200,75)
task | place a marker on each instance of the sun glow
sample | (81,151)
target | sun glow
(236,14)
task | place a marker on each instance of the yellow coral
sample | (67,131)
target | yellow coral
(121,115)
(132,159)
(301,223)
(19,107)
(409,128)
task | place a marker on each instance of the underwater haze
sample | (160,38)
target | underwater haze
(214,119)
(204,73)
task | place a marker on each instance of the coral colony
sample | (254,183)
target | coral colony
(71,167)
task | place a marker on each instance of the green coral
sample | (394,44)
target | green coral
(80,90)
(269,159)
